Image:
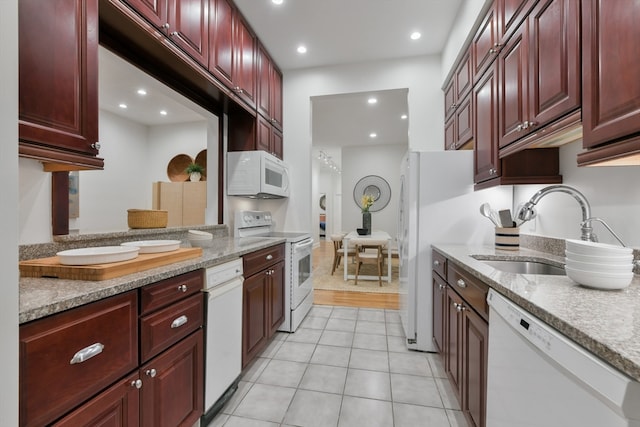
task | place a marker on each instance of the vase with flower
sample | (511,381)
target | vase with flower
(365,203)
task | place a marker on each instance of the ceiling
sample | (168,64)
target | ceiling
(348,31)
(334,32)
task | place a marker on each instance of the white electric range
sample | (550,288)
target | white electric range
(298,265)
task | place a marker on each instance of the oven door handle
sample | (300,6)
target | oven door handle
(303,245)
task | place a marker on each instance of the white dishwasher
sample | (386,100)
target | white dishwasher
(223,348)
(539,378)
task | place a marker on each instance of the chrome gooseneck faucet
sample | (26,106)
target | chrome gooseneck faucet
(527,212)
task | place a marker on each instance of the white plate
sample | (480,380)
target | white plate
(154,246)
(97,255)
(600,280)
(583,247)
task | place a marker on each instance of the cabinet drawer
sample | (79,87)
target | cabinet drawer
(259,260)
(472,290)
(168,291)
(439,264)
(165,327)
(56,375)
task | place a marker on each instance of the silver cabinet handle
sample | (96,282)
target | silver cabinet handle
(173,34)
(166,26)
(183,288)
(436,263)
(151,372)
(461,283)
(460,307)
(137,383)
(179,321)
(441,286)
(269,257)
(96,145)
(87,353)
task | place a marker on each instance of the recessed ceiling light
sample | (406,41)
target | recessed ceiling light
(403,117)
(276,1)
(302,49)
(373,135)
(123,106)
(415,35)
(142,92)
(163,112)
(372,100)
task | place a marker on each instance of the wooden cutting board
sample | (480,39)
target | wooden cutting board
(51,267)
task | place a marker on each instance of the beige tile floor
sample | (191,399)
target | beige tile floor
(343,367)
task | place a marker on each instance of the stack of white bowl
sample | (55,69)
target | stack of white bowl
(598,265)
(200,239)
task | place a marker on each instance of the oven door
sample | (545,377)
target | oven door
(301,281)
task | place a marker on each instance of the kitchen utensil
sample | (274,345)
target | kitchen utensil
(505,218)
(486,211)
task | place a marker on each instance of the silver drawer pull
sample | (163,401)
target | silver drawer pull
(461,283)
(137,383)
(182,288)
(269,257)
(436,263)
(87,353)
(179,322)
(151,372)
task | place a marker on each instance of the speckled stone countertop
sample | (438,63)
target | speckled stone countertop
(606,323)
(40,297)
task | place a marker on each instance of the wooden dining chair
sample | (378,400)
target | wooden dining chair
(339,251)
(369,251)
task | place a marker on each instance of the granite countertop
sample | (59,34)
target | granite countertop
(40,297)
(604,322)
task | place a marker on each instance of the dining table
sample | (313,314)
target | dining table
(375,235)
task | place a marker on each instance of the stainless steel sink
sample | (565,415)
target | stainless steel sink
(525,267)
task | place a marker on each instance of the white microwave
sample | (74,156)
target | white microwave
(256,174)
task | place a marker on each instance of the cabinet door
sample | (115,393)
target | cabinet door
(276,143)
(610,67)
(474,401)
(449,98)
(453,362)
(276,97)
(58,87)
(510,14)
(155,11)
(513,89)
(464,122)
(276,297)
(485,106)
(116,406)
(484,46)
(439,311)
(189,20)
(244,72)
(221,54)
(263,139)
(554,61)
(450,134)
(463,77)
(264,82)
(254,316)
(172,392)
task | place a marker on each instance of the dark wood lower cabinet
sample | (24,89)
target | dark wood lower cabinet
(461,331)
(276,298)
(173,395)
(254,314)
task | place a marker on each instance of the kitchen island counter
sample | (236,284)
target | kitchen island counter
(604,322)
(40,297)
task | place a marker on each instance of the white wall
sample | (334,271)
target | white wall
(421,75)
(380,160)
(613,193)
(8,211)
(135,156)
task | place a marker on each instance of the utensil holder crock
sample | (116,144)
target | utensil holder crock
(507,239)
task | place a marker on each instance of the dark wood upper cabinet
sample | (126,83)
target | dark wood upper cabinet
(245,62)
(485,43)
(189,27)
(510,14)
(610,67)
(485,106)
(457,105)
(221,40)
(58,83)
(269,102)
(185,22)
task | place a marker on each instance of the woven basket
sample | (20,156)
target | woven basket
(146,218)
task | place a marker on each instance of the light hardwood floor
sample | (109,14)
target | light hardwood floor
(346,298)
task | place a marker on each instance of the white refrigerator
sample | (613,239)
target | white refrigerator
(437,205)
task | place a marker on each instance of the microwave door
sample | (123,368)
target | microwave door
(275,179)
